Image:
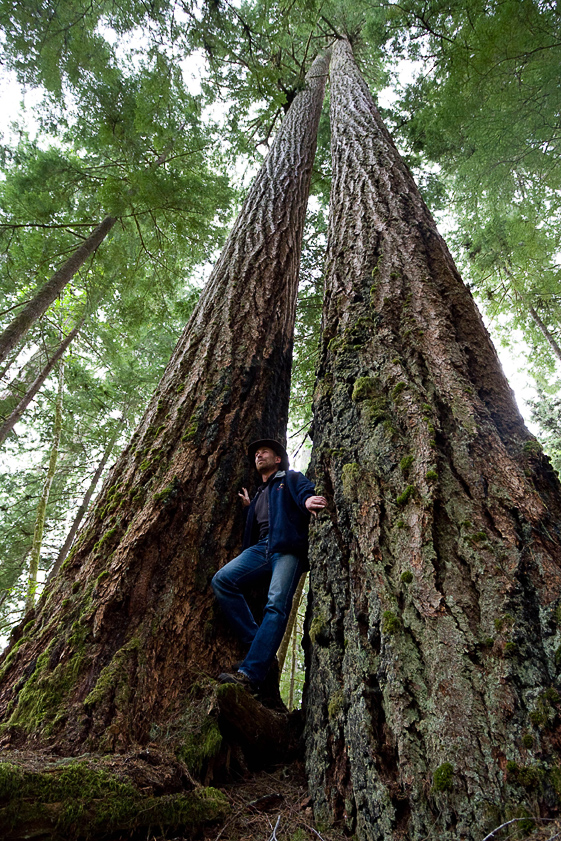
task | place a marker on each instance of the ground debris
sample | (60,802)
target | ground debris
(253,815)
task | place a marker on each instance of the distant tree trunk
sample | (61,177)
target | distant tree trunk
(433,654)
(14,417)
(44,498)
(136,628)
(65,548)
(44,297)
(548,336)
(292,622)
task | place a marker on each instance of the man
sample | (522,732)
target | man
(275,544)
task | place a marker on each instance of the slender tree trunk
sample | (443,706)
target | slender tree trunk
(11,421)
(137,628)
(281,654)
(550,339)
(65,548)
(432,708)
(14,332)
(44,498)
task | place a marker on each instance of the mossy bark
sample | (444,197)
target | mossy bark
(112,652)
(434,625)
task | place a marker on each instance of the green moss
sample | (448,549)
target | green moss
(426,408)
(336,704)
(405,463)
(528,776)
(86,802)
(144,465)
(190,429)
(555,778)
(350,477)
(200,745)
(407,576)
(105,538)
(169,492)
(528,740)
(317,628)
(391,623)
(114,677)
(101,577)
(442,778)
(431,476)
(11,656)
(511,770)
(180,388)
(375,409)
(397,389)
(525,822)
(400,524)
(41,700)
(510,649)
(545,713)
(532,447)
(364,387)
(406,495)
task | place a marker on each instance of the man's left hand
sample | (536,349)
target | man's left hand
(315,504)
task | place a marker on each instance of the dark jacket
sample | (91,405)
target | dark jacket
(288,515)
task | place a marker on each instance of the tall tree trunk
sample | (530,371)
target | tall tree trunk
(50,290)
(548,336)
(14,417)
(136,625)
(433,629)
(44,498)
(65,548)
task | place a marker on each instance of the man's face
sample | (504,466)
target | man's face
(266,459)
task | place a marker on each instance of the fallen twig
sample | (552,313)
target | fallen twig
(273,837)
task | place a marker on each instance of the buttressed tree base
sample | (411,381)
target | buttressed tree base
(432,707)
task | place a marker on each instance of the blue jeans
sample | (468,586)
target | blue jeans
(250,567)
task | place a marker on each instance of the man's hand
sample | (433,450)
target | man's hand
(245,498)
(315,504)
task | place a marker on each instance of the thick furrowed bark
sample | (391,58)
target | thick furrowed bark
(33,310)
(436,571)
(130,623)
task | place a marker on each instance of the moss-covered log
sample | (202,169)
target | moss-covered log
(434,631)
(123,634)
(126,796)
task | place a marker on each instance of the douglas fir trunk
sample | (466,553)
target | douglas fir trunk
(434,629)
(111,655)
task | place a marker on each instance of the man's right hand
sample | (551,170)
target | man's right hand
(245,498)
(315,504)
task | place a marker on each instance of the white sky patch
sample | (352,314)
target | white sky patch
(18,104)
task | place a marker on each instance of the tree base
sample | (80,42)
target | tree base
(154,787)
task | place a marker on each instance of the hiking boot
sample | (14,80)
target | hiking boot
(240,679)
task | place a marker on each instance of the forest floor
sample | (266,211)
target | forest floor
(270,806)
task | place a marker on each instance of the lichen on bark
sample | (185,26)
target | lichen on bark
(443,518)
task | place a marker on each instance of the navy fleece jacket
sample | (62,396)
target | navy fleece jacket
(288,516)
